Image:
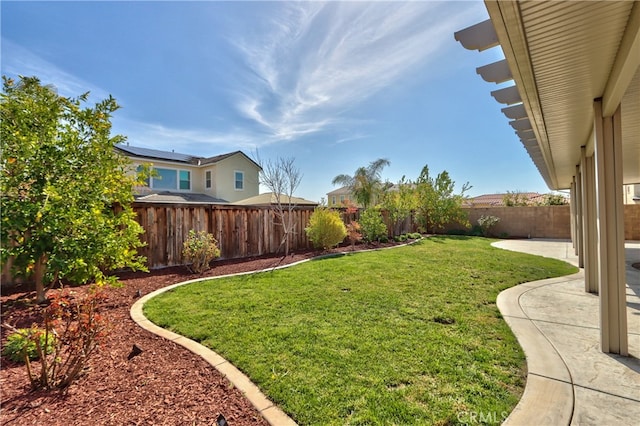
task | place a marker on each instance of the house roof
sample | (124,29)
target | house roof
(561,56)
(340,191)
(178,198)
(498,199)
(269,198)
(155,154)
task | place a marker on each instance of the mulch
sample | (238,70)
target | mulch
(164,385)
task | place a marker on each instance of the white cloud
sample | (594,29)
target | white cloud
(17,60)
(318,60)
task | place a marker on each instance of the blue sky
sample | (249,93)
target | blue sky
(335,85)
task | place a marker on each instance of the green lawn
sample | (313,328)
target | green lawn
(410,335)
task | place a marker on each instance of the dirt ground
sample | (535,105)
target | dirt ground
(163,385)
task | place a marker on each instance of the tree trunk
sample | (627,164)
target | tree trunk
(39,272)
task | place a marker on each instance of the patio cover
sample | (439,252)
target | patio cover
(562,55)
(575,106)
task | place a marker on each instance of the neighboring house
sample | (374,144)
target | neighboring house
(497,200)
(632,194)
(269,199)
(188,178)
(340,197)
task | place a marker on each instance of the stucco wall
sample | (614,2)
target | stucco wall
(543,221)
(632,222)
(534,222)
(225,178)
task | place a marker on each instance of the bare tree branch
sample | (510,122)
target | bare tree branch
(282,178)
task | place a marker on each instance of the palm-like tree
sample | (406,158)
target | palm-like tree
(365,184)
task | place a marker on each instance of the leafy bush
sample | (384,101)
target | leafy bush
(23,344)
(199,250)
(415,235)
(372,225)
(486,222)
(400,238)
(326,229)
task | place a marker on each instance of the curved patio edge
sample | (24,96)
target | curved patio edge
(270,412)
(548,396)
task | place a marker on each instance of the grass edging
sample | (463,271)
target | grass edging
(466,294)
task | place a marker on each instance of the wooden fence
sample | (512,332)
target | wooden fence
(246,231)
(241,231)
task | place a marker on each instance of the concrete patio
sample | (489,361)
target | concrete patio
(570,380)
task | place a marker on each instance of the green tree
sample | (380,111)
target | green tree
(552,199)
(515,199)
(65,193)
(437,202)
(400,201)
(372,225)
(365,184)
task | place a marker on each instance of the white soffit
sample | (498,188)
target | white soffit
(563,55)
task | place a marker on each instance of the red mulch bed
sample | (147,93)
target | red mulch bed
(164,385)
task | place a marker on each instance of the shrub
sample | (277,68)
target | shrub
(71,331)
(326,228)
(23,344)
(415,235)
(199,250)
(353,232)
(372,225)
(486,222)
(400,238)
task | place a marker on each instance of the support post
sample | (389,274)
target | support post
(572,212)
(589,224)
(579,218)
(611,272)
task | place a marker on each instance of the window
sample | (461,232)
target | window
(207,179)
(185,180)
(171,179)
(342,199)
(239,181)
(165,179)
(333,200)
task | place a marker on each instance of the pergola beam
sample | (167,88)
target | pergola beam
(625,66)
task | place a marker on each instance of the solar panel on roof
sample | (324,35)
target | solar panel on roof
(155,153)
